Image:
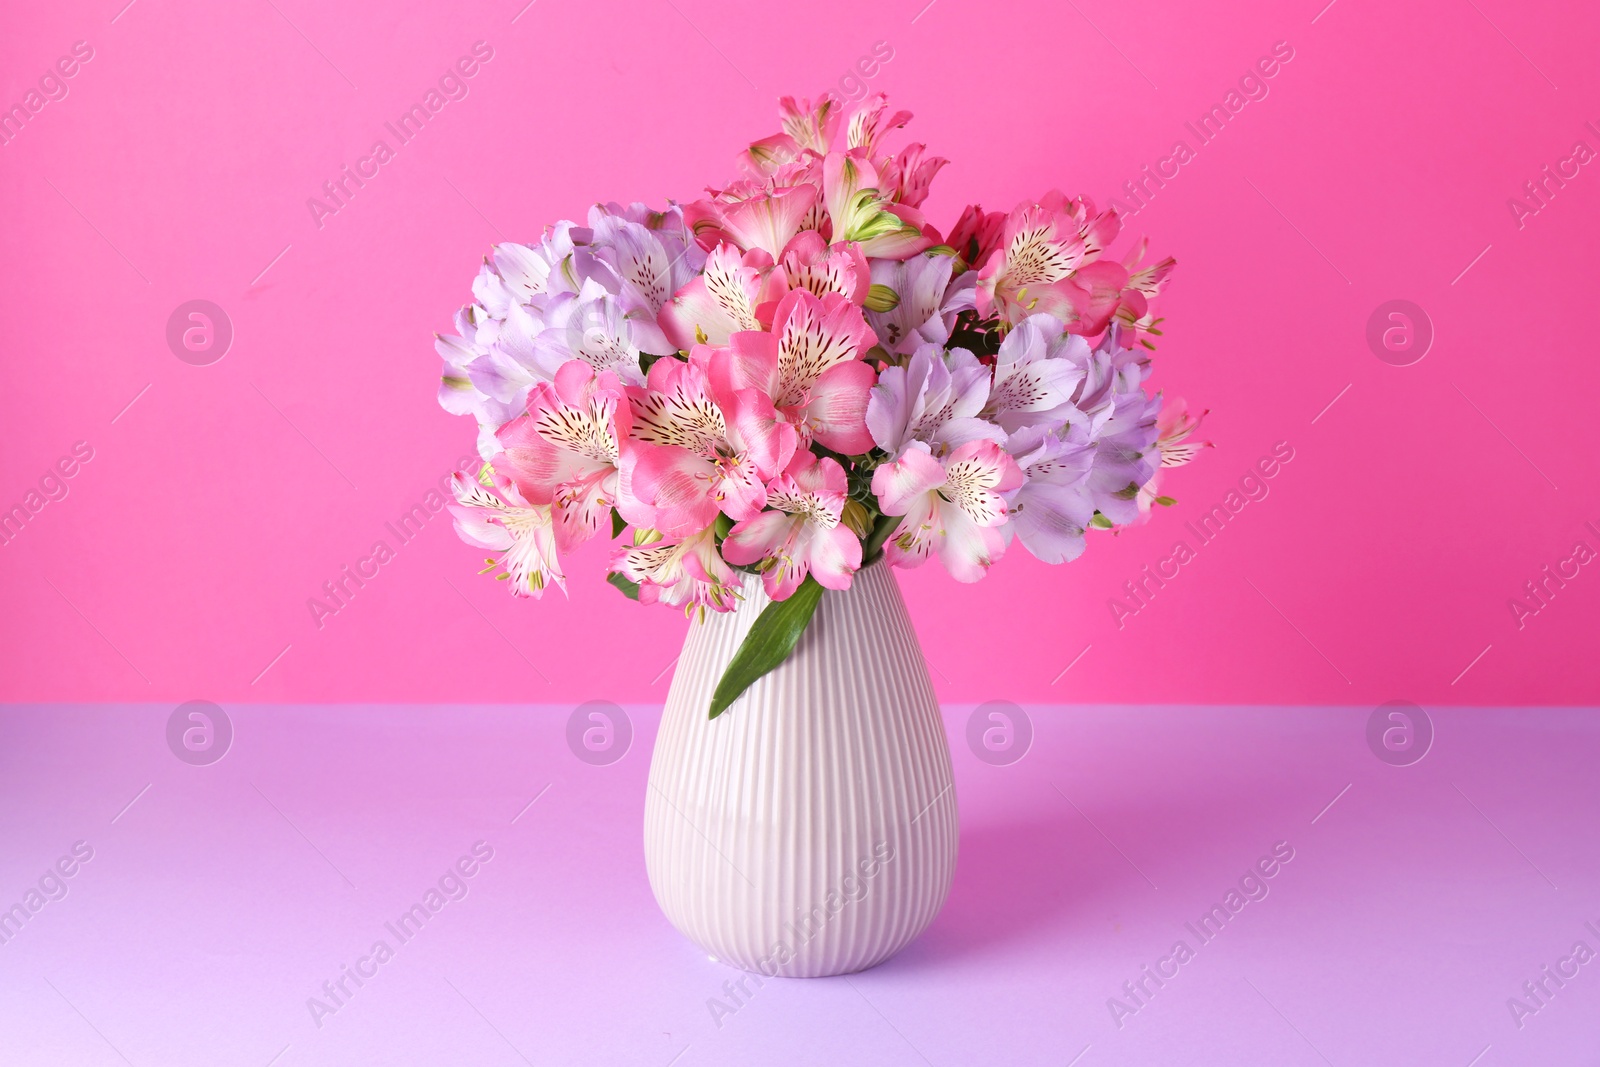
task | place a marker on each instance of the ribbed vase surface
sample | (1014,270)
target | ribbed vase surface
(811,828)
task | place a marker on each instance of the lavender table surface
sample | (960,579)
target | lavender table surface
(222,904)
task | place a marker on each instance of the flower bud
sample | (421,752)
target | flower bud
(881,298)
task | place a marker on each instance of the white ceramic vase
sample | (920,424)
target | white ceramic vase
(811,828)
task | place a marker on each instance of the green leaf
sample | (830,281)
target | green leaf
(647,360)
(618,524)
(1166,501)
(1100,521)
(629,589)
(769,643)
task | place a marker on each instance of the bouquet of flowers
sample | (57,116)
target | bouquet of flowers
(799,375)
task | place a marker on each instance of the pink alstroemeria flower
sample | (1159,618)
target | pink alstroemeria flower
(565,452)
(810,365)
(767,220)
(1133,311)
(730,296)
(907,176)
(1173,426)
(810,263)
(806,128)
(977,235)
(1044,261)
(871,121)
(813,129)
(861,211)
(1094,293)
(804,535)
(686,573)
(954,507)
(700,449)
(520,530)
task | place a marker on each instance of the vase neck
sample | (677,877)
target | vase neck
(874,577)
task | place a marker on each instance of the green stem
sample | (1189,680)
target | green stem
(872,547)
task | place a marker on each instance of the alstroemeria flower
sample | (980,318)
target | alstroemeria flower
(804,535)
(810,263)
(870,121)
(509,367)
(517,273)
(560,263)
(810,365)
(1051,509)
(459,389)
(686,573)
(766,220)
(1036,372)
(977,235)
(806,128)
(1101,375)
(907,176)
(954,507)
(1094,293)
(600,329)
(703,450)
(520,530)
(457,394)
(1173,427)
(925,311)
(649,269)
(1044,246)
(863,213)
(1133,310)
(934,399)
(566,450)
(1125,456)
(715,305)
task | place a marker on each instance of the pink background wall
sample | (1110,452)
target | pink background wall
(1378,167)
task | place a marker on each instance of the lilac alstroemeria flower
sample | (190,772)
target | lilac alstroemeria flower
(1125,455)
(1052,508)
(935,399)
(582,292)
(1037,371)
(462,390)
(605,330)
(922,316)
(649,265)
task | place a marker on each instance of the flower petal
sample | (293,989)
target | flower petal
(836,413)
(901,484)
(967,549)
(676,485)
(833,555)
(757,538)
